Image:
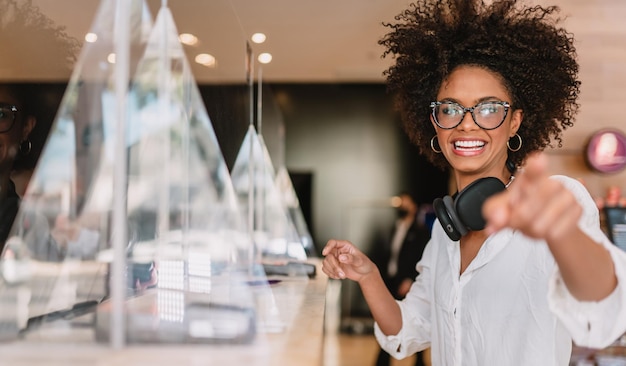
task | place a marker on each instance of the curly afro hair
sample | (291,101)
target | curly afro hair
(33,41)
(535,58)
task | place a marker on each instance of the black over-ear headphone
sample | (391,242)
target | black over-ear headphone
(464,213)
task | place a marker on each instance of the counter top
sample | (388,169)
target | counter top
(294,336)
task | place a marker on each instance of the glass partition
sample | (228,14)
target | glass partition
(51,266)
(274,133)
(189,271)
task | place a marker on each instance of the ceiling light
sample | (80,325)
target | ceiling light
(188,39)
(111,58)
(206,60)
(258,38)
(265,58)
(91,37)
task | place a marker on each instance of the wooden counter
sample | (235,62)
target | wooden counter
(297,338)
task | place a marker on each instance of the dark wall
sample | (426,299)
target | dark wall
(228,107)
(347,130)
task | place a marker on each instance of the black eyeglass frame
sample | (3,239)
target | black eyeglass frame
(506,106)
(14,111)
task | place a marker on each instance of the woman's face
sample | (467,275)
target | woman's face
(10,140)
(474,152)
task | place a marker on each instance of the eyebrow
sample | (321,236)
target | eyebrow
(483,99)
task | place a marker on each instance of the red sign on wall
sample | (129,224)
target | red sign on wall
(606,151)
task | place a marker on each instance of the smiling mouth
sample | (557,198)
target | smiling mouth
(469,145)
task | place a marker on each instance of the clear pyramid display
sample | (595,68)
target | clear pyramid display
(274,127)
(49,266)
(292,203)
(188,255)
(253,176)
(181,197)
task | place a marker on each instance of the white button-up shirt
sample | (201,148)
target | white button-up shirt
(509,307)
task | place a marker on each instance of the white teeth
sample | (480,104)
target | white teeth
(468,144)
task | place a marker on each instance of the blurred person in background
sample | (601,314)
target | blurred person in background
(16,124)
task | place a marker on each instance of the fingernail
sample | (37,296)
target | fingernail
(341,274)
(343,258)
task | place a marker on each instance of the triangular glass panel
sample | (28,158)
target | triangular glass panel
(275,138)
(253,176)
(292,203)
(189,256)
(182,199)
(50,267)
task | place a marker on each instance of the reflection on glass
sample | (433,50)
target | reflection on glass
(188,253)
(180,197)
(49,266)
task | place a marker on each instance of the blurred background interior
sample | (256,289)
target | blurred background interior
(325,113)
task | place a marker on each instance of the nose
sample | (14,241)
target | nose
(467,123)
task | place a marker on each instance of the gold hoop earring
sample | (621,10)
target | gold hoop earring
(519,143)
(25,147)
(432,145)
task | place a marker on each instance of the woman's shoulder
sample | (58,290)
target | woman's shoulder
(574,185)
(582,195)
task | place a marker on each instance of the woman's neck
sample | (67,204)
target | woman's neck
(463,180)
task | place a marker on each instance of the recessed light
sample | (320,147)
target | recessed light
(91,37)
(265,58)
(258,38)
(206,60)
(188,39)
(111,58)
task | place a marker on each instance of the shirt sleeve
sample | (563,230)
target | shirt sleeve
(414,335)
(594,324)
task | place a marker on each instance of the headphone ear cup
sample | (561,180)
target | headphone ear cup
(443,215)
(469,202)
(456,219)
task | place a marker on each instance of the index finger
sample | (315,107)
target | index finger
(334,244)
(535,167)
(330,245)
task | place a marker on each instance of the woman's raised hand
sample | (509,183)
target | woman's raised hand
(538,206)
(343,260)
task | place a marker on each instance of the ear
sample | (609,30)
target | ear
(516,121)
(29,124)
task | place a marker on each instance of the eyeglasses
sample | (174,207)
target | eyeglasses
(487,115)
(7,117)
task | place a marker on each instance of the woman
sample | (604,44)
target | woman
(482,88)
(16,125)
